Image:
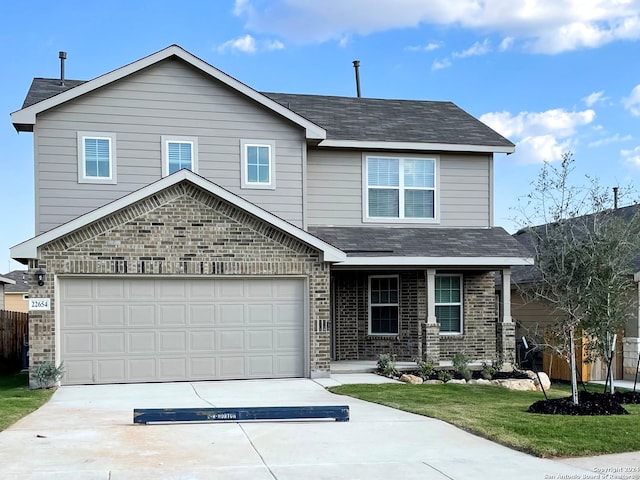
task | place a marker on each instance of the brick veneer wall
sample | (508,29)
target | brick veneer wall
(182,230)
(351,317)
(416,339)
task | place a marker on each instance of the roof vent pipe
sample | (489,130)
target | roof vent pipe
(356,65)
(62,56)
(615,197)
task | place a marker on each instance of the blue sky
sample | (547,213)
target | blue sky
(551,75)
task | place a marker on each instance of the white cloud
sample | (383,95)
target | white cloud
(632,102)
(475,49)
(246,44)
(506,44)
(540,136)
(429,47)
(595,97)
(631,157)
(543,26)
(440,64)
(609,140)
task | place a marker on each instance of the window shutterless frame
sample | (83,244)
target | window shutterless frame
(402,189)
(179,153)
(384,305)
(258,164)
(449,303)
(96,157)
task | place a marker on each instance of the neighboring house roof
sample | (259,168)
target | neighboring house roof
(21,284)
(351,120)
(425,246)
(347,122)
(24,119)
(528,274)
(29,248)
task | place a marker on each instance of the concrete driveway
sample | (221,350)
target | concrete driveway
(86,432)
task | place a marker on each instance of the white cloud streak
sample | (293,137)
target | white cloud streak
(592,99)
(540,136)
(248,44)
(542,26)
(631,157)
(632,102)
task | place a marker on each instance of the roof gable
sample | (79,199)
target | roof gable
(29,248)
(24,119)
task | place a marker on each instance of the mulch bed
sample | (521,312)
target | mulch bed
(589,403)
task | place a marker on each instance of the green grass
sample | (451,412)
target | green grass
(16,400)
(500,415)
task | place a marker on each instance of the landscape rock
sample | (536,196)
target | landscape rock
(433,382)
(520,385)
(460,381)
(479,381)
(412,379)
(544,379)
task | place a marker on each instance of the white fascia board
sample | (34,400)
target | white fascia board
(436,261)
(7,280)
(27,116)
(29,248)
(445,147)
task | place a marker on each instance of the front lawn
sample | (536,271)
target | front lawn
(16,400)
(501,415)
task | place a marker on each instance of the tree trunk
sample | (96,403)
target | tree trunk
(612,387)
(574,369)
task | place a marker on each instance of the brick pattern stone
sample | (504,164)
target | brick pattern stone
(631,349)
(182,231)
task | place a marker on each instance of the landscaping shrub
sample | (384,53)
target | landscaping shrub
(387,364)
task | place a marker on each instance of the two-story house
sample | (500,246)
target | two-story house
(189,227)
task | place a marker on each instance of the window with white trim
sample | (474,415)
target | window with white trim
(257,164)
(179,153)
(400,188)
(383,305)
(96,157)
(449,303)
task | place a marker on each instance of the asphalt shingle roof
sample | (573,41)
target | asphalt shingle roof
(422,242)
(352,118)
(20,277)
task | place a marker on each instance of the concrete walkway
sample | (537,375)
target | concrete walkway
(86,432)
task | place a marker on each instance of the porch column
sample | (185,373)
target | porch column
(431,337)
(505,327)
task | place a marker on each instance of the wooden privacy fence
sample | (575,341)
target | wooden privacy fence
(13,328)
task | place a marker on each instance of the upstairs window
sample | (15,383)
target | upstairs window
(449,303)
(399,188)
(96,157)
(383,305)
(257,169)
(179,153)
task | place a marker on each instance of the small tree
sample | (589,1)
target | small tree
(582,253)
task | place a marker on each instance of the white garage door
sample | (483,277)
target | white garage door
(121,330)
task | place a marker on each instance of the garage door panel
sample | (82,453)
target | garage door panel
(141,315)
(77,316)
(78,371)
(202,341)
(77,343)
(202,314)
(260,314)
(110,315)
(159,329)
(230,340)
(110,343)
(172,315)
(171,342)
(231,314)
(173,368)
(142,342)
(111,370)
(142,369)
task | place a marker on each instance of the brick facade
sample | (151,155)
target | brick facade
(182,231)
(481,340)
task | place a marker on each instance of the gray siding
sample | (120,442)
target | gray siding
(334,193)
(170,98)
